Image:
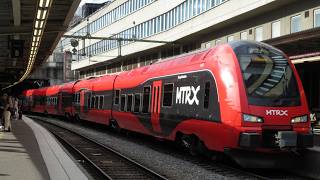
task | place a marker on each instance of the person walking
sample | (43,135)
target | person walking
(20,109)
(2,106)
(7,114)
(15,108)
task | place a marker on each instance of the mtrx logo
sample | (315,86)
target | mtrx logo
(187,95)
(277,112)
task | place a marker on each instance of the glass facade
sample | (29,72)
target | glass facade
(179,14)
(296,24)
(110,17)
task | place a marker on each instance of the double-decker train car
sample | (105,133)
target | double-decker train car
(241,95)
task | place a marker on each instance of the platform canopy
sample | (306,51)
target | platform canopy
(300,45)
(29,32)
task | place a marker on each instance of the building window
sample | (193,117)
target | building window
(137,101)
(218,41)
(276,29)
(259,34)
(296,24)
(244,35)
(146,99)
(317,18)
(230,38)
(167,95)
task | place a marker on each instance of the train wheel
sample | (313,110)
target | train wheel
(190,143)
(76,118)
(115,126)
(67,116)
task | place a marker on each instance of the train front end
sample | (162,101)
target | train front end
(274,110)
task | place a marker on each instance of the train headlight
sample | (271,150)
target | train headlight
(251,118)
(299,119)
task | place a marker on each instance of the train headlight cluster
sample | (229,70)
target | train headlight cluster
(251,118)
(300,119)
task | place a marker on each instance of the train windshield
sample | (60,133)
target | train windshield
(268,77)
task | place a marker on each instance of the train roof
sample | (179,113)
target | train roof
(52,90)
(68,87)
(39,92)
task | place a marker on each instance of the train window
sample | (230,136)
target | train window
(167,95)
(146,99)
(206,95)
(123,102)
(137,101)
(117,97)
(92,102)
(129,103)
(89,100)
(96,104)
(101,102)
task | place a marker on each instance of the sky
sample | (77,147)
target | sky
(91,1)
(88,1)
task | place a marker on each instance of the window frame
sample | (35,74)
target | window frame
(162,105)
(134,104)
(115,94)
(314,17)
(149,102)
(241,35)
(100,106)
(291,23)
(255,33)
(125,103)
(204,97)
(272,30)
(129,109)
(230,38)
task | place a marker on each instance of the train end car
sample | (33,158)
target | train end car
(274,108)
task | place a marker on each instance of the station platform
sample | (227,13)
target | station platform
(29,151)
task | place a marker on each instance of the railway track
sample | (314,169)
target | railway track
(224,169)
(107,162)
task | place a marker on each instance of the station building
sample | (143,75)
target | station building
(188,25)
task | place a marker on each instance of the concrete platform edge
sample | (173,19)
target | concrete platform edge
(60,166)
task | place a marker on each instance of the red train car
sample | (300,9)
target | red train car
(240,95)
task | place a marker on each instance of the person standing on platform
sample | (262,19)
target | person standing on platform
(2,106)
(7,114)
(20,108)
(16,108)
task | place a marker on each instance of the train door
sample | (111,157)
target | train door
(87,101)
(60,110)
(155,106)
(82,101)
